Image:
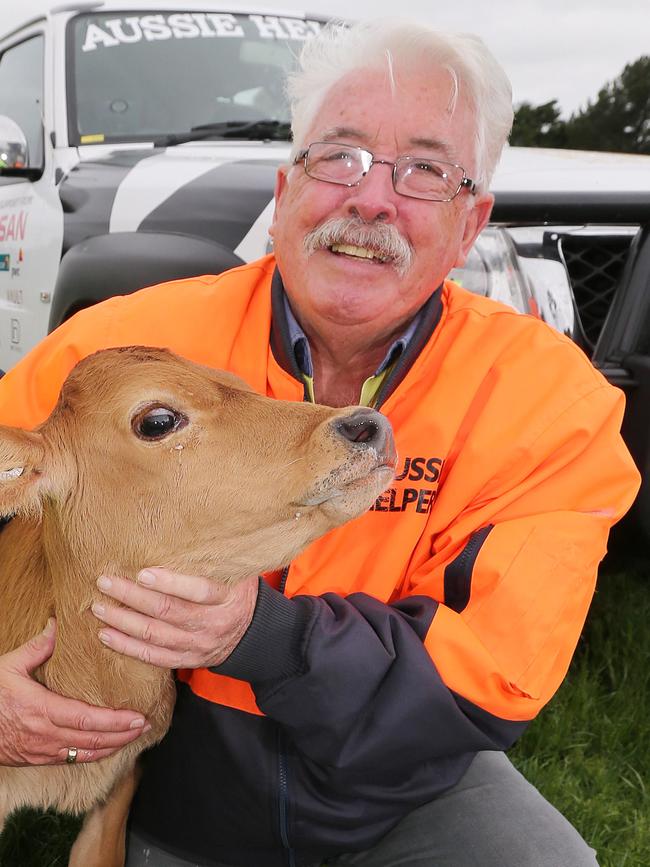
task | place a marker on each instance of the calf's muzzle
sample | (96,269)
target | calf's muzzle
(366,428)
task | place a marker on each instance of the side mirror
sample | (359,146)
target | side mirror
(13,145)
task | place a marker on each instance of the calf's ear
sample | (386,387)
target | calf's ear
(22,458)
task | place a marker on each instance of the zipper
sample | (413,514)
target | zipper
(283,801)
(283,580)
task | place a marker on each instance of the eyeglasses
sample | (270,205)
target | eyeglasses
(416,177)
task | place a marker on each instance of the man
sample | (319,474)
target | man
(353,710)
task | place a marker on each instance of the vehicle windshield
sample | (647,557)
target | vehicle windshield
(158,76)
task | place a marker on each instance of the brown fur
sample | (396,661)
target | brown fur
(240,488)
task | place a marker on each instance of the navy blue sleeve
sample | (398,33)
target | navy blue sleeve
(352,684)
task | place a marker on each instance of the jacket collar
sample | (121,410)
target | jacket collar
(282,342)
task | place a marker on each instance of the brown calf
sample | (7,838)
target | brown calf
(149,459)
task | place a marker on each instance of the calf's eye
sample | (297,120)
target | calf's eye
(158,422)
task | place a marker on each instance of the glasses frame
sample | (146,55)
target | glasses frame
(465,182)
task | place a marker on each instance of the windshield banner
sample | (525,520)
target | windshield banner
(191,25)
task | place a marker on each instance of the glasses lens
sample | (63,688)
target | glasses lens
(337,163)
(427,179)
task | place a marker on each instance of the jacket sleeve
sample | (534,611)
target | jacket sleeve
(385,689)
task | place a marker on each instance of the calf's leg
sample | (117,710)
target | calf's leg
(101,841)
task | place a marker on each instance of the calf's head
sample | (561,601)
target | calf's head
(151,460)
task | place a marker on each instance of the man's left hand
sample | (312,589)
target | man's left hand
(175,621)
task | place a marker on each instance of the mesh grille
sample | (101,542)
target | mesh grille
(594,264)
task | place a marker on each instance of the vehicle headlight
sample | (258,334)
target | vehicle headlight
(536,285)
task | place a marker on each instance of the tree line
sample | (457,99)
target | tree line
(618,120)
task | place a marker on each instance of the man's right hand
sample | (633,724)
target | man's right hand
(37,727)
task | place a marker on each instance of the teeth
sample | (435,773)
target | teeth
(360,252)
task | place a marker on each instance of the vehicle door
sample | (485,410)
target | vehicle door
(31,217)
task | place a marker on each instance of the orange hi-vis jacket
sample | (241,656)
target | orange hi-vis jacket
(397,646)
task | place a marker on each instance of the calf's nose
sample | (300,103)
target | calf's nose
(367,428)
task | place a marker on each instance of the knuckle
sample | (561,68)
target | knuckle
(147,633)
(164,607)
(192,624)
(144,655)
(83,723)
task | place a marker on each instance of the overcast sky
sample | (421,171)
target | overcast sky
(551,49)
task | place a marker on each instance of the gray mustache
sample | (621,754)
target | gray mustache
(382,238)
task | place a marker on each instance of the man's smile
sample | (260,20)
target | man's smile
(359,252)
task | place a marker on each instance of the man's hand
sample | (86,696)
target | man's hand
(38,726)
(173,620)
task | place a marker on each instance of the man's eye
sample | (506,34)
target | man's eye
(338,155)
(430,168)
(156,423)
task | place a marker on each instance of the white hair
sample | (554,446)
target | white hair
(401,44)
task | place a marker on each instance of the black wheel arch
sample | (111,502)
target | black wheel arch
(122,262)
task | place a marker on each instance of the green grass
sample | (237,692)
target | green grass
(588,753)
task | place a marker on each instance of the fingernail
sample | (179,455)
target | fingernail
(49,627)
(105,638)
(98,609)
(146,578)
(104,583)
(137,724)
(146,729)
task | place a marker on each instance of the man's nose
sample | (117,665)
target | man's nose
(374,198)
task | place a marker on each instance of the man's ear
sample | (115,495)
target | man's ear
(476,221)
(280,186)
(22,467)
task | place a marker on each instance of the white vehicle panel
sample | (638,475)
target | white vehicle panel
(31,235)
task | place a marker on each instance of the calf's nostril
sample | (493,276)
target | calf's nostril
(363,427)
(361,431)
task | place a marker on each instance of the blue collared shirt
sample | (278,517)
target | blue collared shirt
(369,389)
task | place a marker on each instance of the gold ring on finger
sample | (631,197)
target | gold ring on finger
(71,758)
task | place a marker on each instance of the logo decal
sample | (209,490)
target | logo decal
(191,25)
(13,226)
(418,498)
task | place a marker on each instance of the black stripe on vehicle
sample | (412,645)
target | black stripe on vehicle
(87,194)
(458,574)
(221,204)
